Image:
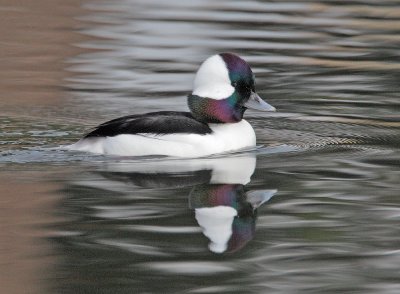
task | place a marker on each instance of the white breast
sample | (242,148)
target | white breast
(224,138)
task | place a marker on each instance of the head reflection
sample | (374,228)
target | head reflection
(225,211)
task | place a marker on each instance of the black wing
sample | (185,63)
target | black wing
(160,123)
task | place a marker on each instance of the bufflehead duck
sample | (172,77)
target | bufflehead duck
(224,88)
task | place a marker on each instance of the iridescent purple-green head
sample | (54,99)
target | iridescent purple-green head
(224,87)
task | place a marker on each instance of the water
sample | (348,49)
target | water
(315,209)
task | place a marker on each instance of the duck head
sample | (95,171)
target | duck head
(224,87)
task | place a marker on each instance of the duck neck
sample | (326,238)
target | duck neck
(210,110)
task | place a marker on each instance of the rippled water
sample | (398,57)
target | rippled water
(315,209)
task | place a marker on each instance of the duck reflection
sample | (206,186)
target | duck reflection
(227,214)
(224,208)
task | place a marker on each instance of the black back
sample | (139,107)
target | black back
(160,123)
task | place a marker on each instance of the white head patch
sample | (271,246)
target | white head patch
(212,79)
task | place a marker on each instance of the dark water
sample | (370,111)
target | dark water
(321,211)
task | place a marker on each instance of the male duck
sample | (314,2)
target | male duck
(223,90)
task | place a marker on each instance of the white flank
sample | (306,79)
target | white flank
(224,138)
(212,79)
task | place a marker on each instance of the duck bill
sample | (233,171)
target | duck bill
(255,102)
